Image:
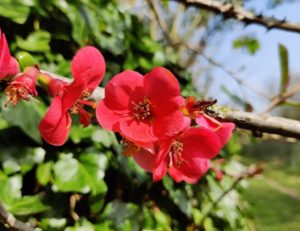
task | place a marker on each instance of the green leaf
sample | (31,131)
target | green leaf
(104,137)
(10,190)
(43,173)
(85,175)
(17,10)
(37,41)
(28,205)
(15,160)
(95,165)
(248,43)
(284,67)
(69,176)
(29,123)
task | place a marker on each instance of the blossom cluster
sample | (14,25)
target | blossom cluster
(161,130)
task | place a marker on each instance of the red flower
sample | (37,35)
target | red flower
(22,87)
(223,130)
(185,157)
(88,68)
(8,64)
(142,108)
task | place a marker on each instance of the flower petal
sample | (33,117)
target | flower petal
(161,84)
(200,143)
(193,171)
(8,64)
(55,125)
(136,130)
(122,89)
(161,160)
(107,118)
(178,176)
(223,130)
(144,159)
(88,67)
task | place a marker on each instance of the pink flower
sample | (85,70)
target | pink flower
(8,64)
(222,129)
(186,157)
(88,68)
(22,87)
(143,109)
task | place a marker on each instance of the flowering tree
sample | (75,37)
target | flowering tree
(143,153)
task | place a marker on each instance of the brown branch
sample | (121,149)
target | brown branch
(261,123)
(283,97)
(229,10)
(9,221)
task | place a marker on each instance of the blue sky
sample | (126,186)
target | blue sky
(260,71)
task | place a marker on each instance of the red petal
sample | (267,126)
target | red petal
(122,89)
(200,143)
(193,171)
(8,64)
(223,130)
(161,160)
(136,130)
(88,67)
(107,118)
(161,84)
(169,125)
(73,93)
(179,176)
(144,159)
(168,120)
(55,125)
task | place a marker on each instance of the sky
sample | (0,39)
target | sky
(262,70)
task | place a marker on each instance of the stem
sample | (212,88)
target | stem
(229,10)
(11,222)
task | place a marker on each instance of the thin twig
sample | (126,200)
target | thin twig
(283,97)
(229,10)
(9,221)
(249,172)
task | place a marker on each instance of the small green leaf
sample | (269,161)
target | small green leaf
(17,11)
(284,67)
(29,124)
(28,205)
(69,176)
(43,172)
(37,41)
(248,43)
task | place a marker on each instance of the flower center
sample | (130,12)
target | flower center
(142,110)
(78,108)
(175,154)
(14,93)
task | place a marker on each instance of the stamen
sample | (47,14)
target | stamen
(142,110)
(14,93)
(175,154)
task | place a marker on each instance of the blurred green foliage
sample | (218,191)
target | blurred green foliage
(88,184)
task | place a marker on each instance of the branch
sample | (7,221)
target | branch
(248,173)
(228,10)
(261,123)
(11,222)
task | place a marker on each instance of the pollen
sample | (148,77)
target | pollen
(175,154)
(142,110)
(14,93)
